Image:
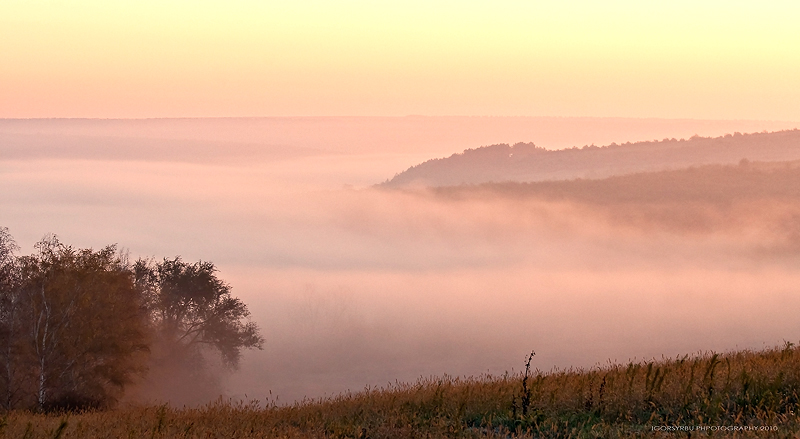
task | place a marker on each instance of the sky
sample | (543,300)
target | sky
(240,58)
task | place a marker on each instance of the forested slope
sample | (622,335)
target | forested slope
(525,162)
(755,202)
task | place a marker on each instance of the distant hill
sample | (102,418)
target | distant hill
(706,185)
(752,200)
(525,162)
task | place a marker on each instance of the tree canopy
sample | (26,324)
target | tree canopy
(78,325)
(189,307)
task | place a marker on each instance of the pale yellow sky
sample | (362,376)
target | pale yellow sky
(145,58)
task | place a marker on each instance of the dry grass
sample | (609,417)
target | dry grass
(740,389)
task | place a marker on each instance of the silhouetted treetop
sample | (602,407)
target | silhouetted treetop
(191,306)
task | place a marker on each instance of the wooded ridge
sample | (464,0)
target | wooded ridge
(526,162)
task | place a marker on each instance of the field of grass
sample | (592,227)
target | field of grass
(737,394)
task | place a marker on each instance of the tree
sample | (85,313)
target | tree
(85,322)
(191,307)
(77,326)
(199,330)
(10,322)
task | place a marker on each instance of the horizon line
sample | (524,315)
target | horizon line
(408,116)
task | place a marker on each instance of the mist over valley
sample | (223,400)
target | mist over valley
(657,248)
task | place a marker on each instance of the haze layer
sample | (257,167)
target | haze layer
(358,286)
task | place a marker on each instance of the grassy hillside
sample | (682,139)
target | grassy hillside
(737,394)
(524,162)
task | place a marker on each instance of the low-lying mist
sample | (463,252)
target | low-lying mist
(357,286)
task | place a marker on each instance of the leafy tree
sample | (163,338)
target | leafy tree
(10,322)
(199,329)
(191,308)
(77,325)
(87,329)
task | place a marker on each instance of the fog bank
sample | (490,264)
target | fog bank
(357,286)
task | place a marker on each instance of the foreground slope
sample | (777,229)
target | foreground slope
(526,162)
(736,394)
